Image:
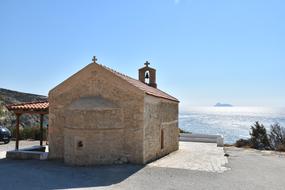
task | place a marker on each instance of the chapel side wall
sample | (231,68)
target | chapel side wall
(55,129)
(96,81)
(160,115)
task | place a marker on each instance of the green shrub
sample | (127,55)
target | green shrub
(259,138)
(277,137)
(280,148)
(183,131)
(30,133)
(245,143)
(275,140)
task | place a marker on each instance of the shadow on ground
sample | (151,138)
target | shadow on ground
(34,174)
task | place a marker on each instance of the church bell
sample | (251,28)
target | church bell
(146,76)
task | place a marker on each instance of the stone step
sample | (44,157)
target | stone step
(35,152)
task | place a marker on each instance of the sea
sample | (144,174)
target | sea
(231,122)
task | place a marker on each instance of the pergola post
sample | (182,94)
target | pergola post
(17,131)
(41,129)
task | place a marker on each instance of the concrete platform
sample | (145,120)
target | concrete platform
(195,156)
(34,152)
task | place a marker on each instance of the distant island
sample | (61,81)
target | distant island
(223,105)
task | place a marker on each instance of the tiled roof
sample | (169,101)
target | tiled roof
(29,106)
(142,86)
(44,105)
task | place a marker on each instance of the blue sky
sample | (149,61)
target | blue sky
(205,51)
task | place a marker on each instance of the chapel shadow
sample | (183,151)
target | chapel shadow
(35,174)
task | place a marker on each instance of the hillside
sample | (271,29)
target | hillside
(11,97)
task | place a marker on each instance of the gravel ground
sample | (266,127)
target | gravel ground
(249,169)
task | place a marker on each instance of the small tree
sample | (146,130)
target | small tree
(259,139)
(277,137)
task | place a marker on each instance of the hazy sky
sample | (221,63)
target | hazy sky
(205,51)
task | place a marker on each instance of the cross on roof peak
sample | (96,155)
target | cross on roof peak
(146,63)
(94,59)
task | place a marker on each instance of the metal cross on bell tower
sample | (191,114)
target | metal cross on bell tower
(94,59)
(146,63)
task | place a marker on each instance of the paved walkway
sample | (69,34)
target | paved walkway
(249,170)
(195,156)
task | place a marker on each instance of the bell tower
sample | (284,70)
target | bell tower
(147,75)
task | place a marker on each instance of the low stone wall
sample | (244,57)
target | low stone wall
(35,152)
(187,137)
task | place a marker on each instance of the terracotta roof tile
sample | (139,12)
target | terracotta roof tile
(29,106)
(142,86)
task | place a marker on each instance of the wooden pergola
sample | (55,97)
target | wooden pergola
(41,108)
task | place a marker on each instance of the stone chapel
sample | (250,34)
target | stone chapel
(100,116)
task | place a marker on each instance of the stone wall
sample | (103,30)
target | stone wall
(90,147)
(72,123)
(160,115)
